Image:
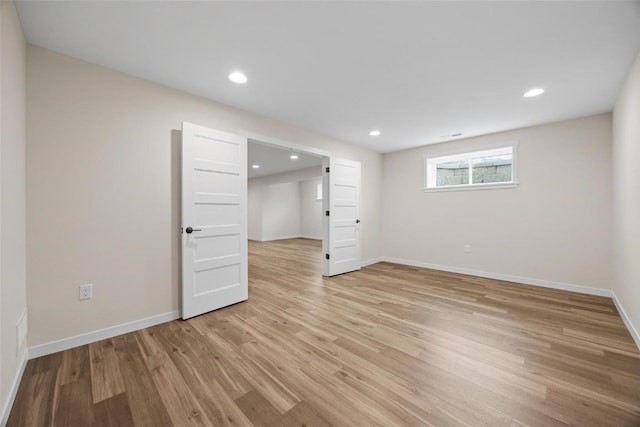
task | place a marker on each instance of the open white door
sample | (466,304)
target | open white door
(342,247)
(214,220)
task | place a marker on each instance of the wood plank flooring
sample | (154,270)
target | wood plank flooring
(386,346)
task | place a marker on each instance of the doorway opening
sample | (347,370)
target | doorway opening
(287,198)
(215,211)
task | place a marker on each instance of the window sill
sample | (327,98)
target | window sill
(468,187)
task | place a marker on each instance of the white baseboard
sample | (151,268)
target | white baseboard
(280,238)
(529,281)
(507,278)
(371,261)
(15,384)
(311,237)
(270,239)
(101,334)
(625,318)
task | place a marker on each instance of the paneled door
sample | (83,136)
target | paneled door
(342,250)
(214,220)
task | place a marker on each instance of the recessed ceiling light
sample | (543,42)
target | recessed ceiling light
(293,157)
(255,166)
(238,77)
(374,133)
(533,92)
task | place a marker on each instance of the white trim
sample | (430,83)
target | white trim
(100,334)
(525,280)
(507,278)
(297,236)
(13,391)
(371,261)
(311,237)
(279,143)
(326,235)
(466,187)
(625,318)
(473,150)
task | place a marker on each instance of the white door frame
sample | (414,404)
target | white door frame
(279,143)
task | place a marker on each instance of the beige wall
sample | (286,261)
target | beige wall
(262,208)
(103,200)
(554,227)
(626,196)
(281,211)
(254,206)
(310,209)
(12,196)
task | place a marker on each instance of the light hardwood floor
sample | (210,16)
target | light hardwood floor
(389,345)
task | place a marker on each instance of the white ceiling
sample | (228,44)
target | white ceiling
(276,160)
(414,70)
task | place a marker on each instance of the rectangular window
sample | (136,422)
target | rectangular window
(490,168)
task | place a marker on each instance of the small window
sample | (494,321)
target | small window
(490,168)
(318,192)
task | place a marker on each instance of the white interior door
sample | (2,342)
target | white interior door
(214,220)
(342,245)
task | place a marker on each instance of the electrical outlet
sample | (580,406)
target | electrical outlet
(86,292)
(467,248)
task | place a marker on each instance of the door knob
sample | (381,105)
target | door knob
(190,230)
(357,221)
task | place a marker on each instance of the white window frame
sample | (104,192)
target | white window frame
(430,160)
